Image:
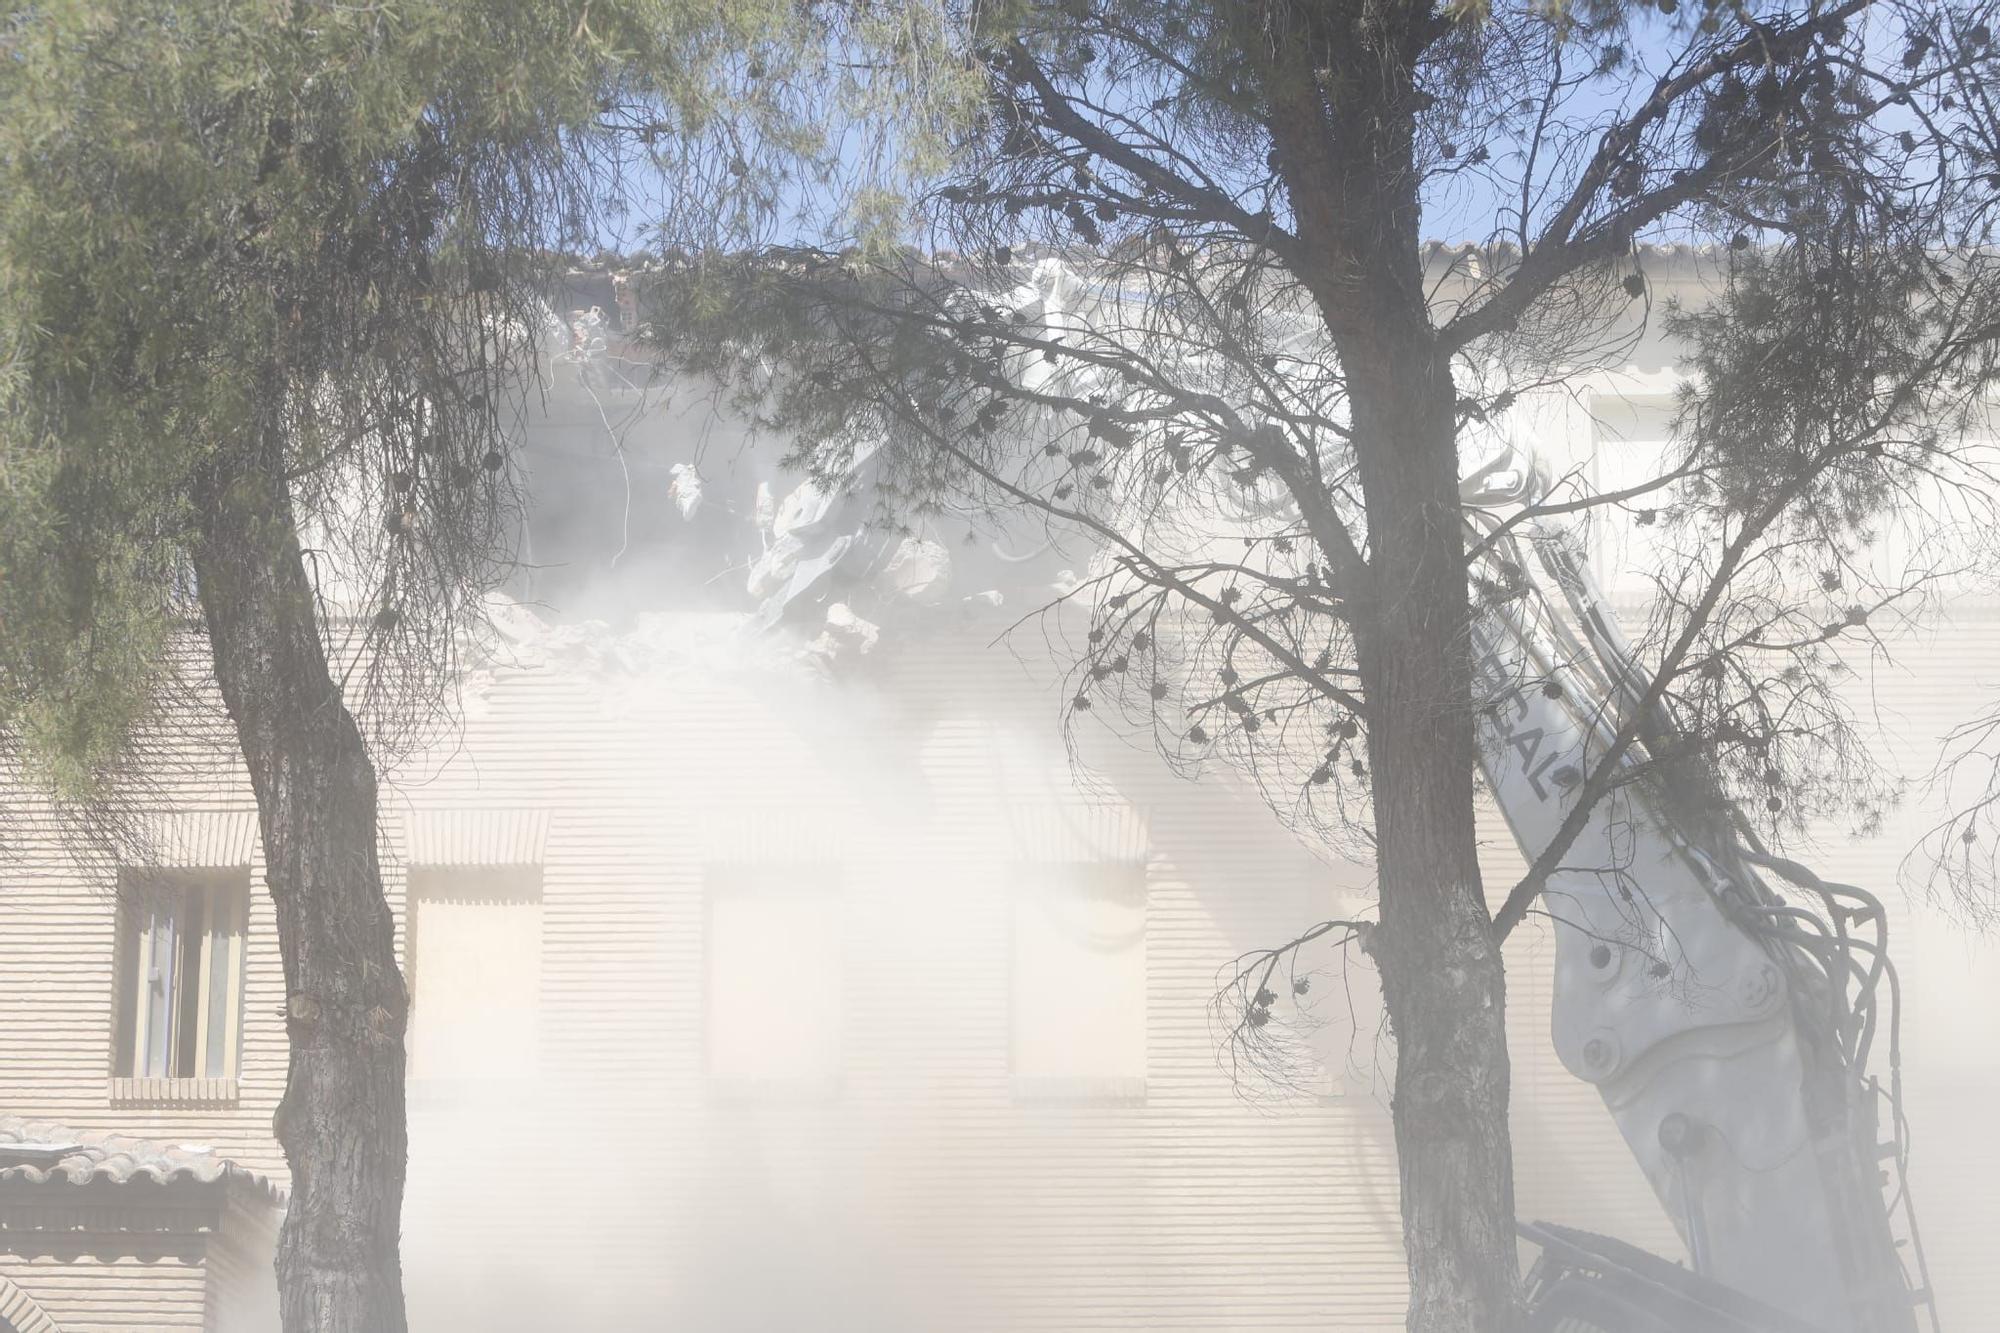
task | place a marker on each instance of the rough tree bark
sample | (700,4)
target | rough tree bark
(341,1120)
(1435,947)
(1345,148)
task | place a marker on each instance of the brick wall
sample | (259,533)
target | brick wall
(616,1182)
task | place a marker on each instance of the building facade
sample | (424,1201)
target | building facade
(807,975)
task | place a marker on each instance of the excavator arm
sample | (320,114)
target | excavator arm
(1727,1027)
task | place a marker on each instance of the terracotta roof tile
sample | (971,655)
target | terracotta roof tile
(35,1152)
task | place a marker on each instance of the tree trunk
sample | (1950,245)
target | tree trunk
(1435,948)
(1346,149)
(341,1120)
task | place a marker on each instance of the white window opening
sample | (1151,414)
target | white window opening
(1632,450)
(475,973)
(774,997)
(180,948)
(1079,981)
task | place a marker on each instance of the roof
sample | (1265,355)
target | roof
(36,1152)
(597,275)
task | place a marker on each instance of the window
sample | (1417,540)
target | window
(1631,449)
(1079,983)
(774,978)
(180,952)
(475,969)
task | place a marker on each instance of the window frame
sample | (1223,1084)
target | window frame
(1109,878)
(509,884)
(803,877)
(1625,422)
(215,1020)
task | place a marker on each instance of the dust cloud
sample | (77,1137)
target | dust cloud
(794,1060)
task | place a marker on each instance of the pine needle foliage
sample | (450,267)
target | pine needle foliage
(340,221)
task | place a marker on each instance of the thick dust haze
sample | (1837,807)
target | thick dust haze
(860,1001)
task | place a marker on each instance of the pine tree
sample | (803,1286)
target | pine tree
(1177,277)
(276,268)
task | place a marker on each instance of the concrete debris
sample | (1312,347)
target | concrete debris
(656,646)
(842,622)
(809,519)
(628,302)
(920,570)
(845,635)
(685,489)
(810,578)
(792,526)
(769,571)
(764,513)
(587,332)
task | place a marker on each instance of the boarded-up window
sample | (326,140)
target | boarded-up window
(774,976)
(1079,983)
(475,972)
(180,959)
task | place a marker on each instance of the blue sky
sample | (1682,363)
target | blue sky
(1468,204)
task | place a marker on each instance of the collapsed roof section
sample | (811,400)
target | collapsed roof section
(651,491)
